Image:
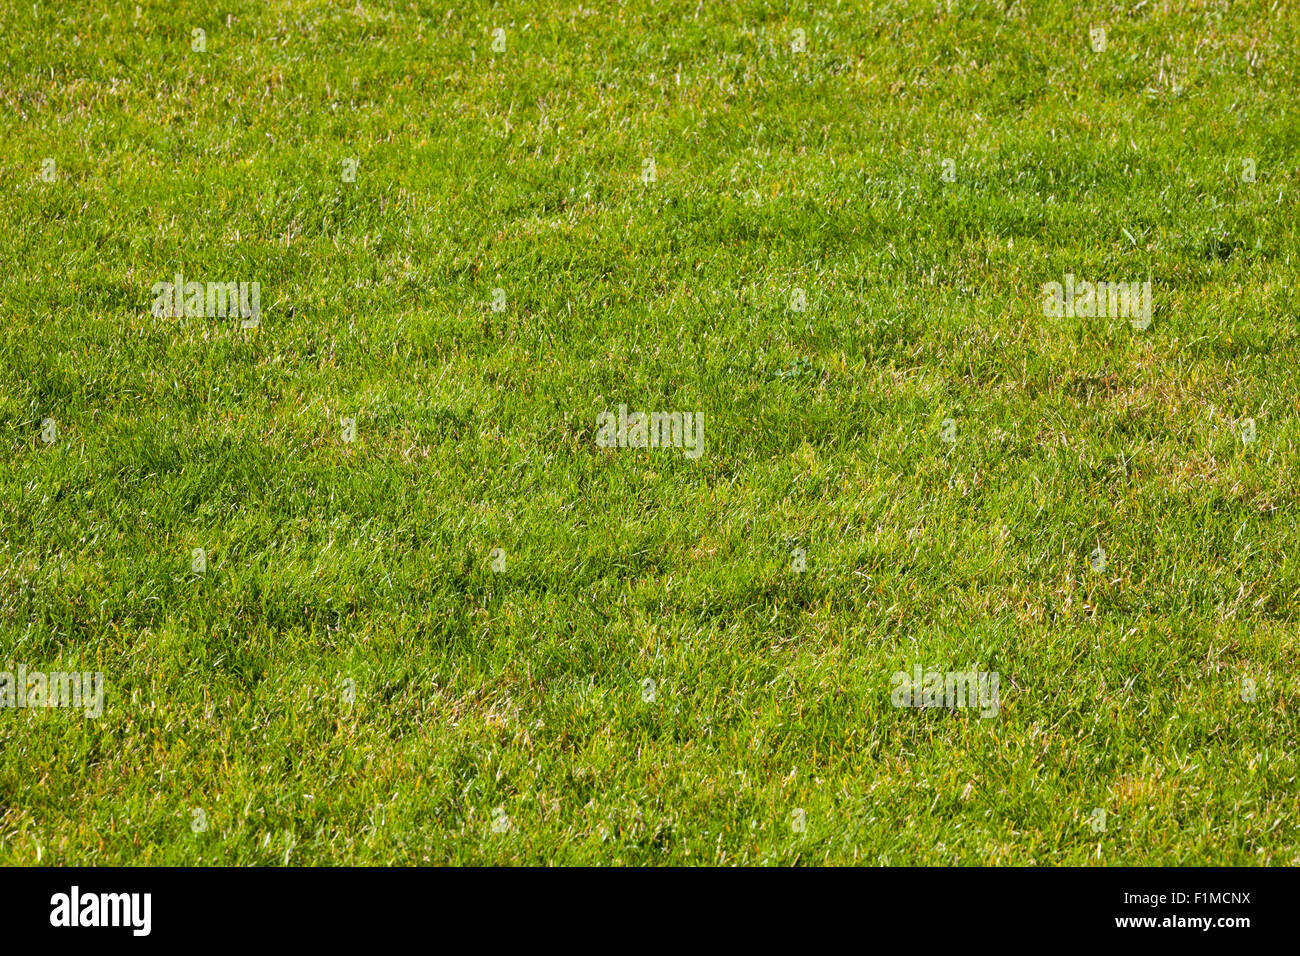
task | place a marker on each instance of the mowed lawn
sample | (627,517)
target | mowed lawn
(650,679)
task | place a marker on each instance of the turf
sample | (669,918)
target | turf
(352,682)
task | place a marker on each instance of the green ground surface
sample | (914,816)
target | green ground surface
(500,717)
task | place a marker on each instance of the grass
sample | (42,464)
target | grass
(483,697)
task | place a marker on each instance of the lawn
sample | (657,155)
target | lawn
(438,618)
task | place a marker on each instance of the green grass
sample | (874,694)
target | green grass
(370,561)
